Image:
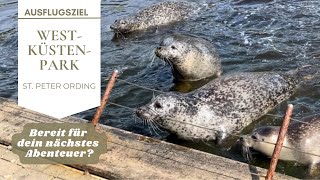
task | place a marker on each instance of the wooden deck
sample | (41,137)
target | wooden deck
(129,156)
(11,168)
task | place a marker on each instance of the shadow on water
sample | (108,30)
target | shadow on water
(187,86)
(261,35)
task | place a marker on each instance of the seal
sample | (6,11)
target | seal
(301,144)
(191,58)
(223,106)
(155,15)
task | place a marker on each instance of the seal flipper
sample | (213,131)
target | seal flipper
(220,137)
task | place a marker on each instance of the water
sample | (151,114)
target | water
(250,35)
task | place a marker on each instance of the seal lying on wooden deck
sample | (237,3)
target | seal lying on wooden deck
(301,144)
(223,106)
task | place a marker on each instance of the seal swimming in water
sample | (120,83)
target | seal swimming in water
(191,58)
(223,106)
(158,14)
(302,137)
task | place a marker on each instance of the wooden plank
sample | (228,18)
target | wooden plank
(11,168)
(133,156)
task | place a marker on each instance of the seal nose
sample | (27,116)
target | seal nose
(159,48)
(143,113)
(139,112)
(113,26)
(241,139)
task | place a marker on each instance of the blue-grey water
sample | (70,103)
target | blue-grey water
(260,35)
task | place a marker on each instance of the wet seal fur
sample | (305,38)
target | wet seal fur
(225,105)
(303,137)
(155,15)
(191,58)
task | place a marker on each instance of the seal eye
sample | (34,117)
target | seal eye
(173,47)
(157,105)
(254,137)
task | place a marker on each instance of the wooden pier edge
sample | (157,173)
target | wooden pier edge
(133,156)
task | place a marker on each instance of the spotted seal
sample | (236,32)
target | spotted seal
(223,106)
(301,136)
(155,15)
(191,58)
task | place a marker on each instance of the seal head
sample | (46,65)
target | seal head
(261,139)
(123,25)
(301,143)
(191,58)
(175,113)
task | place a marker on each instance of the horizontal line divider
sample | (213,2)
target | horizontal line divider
(65,18)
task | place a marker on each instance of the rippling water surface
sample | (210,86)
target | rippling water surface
(260,35)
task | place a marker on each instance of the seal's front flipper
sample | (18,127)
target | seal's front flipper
(220,137)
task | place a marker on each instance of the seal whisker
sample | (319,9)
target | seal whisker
(153,57)
(116,33)
(156,125)
(164,61)
(144,122)
(153,96)
(119,33)
(150,123)
(246,153)
(134,117)
(153,127)
(147,122)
